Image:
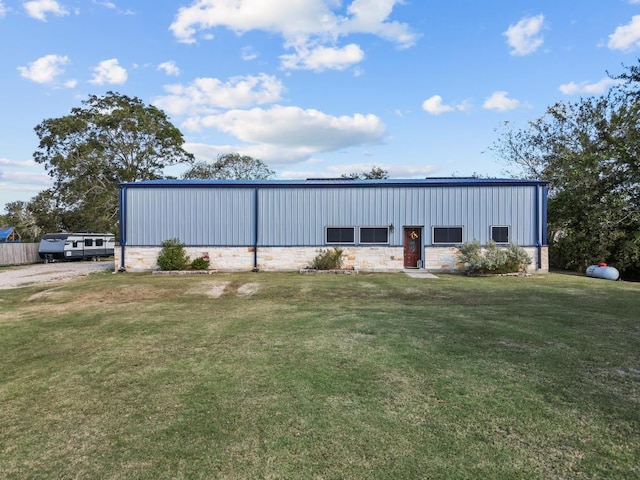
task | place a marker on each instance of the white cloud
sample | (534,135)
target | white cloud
(626,37)
(45,69)
(109,72)
(334,171)
(371,16)
(39,9)
(28,178)
(434,106)
(524,37)
(170,68)
(207,95)
(395,171)
(105,4)
(291,134)
(272,154)
(22,176)
(500,101)
(312,28)
(3,9)
(293,126)
(323,58)
(248,53)
(601,86)
(18,163)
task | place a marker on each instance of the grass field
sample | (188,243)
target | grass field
(270,376)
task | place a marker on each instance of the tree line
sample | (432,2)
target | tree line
(589,152)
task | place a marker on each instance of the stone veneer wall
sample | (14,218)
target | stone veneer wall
(446,259)
(144,259)
(371,259)
(139,259)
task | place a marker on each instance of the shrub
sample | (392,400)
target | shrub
(173,255)
(517,258)
(329,259)
(470,255)
(493,259)
(200,263)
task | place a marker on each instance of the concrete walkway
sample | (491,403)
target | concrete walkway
(419,274)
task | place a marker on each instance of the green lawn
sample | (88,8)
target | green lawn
(320,376)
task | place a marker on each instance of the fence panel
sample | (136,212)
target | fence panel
(18,253)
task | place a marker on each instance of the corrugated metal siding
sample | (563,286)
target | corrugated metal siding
(299,216)
(196,216)
(218,215)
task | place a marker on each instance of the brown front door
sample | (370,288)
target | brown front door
(412,246)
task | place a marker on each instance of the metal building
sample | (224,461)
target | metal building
(381,225)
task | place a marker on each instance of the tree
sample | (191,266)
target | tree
(588,152)
(47,215)
(376,173)
(109,140)
(35,217)
(17,215)
(231,166)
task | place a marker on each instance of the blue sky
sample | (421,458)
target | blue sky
(315,88)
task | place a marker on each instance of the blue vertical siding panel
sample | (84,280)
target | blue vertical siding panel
(196,216)
(298,216)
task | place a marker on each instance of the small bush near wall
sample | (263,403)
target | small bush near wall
(329,259)
(173,255)
(493,259)
(200,263)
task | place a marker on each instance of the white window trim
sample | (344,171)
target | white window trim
(508,227)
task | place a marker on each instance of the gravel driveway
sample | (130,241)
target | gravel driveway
(49,272)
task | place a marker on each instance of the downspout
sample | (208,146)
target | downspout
(538,228)
(545,199)
(255,230)
(123,225)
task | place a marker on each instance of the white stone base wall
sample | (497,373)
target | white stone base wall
(368,259)
(446,259)
(140,259)
(441,259)
(144,259)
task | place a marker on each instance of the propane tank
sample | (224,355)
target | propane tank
(602,270)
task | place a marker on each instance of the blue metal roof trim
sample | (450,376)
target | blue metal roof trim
(427,182)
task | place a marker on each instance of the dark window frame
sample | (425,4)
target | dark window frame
(448,240)
(375,240)
(501,227)
(340,241)
(88,242)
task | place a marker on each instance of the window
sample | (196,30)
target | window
(99,242)
(75,244)
(500,234)
(447,234)
(374,235)
(340,234)
(88,242)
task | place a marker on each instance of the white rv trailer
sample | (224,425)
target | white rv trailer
(72,246)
